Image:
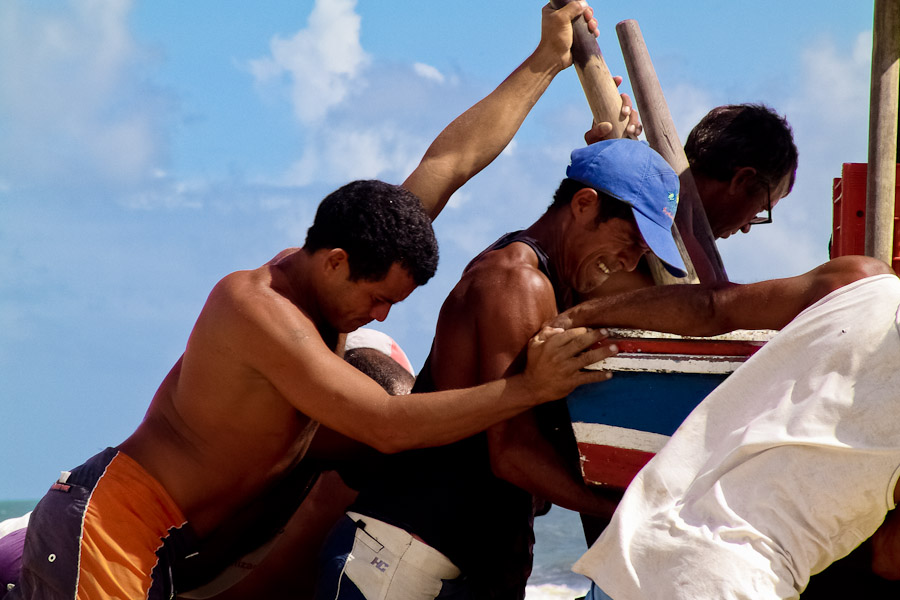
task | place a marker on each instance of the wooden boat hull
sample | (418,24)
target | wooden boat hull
(657,381)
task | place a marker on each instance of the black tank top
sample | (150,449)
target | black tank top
(450,498)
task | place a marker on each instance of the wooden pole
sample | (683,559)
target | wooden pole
(606,105)
(660,131)
(599,88)
(885,97)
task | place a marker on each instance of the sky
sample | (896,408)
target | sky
(147,149)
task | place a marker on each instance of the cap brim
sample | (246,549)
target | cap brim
(662,243)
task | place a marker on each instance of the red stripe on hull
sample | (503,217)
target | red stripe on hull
(610,466)
(689,346)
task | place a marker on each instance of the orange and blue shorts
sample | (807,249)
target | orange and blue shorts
(107,529)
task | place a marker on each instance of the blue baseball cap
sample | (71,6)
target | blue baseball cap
(631,171)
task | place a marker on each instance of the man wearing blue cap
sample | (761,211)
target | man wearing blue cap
(472,503)
(633,173)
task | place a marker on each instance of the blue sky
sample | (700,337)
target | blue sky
(149,148)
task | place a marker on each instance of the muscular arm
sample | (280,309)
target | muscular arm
(478,136)
(711,309)
(519,452)
(278,346)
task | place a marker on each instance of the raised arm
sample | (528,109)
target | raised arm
(478,136)
(711,309)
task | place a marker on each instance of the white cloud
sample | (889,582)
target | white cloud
(829,115)
(343,153)
(687,105)
(320,61)
(428,72)
(510,149)
(782,249)
(69,103)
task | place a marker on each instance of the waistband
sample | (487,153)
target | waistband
(411,550)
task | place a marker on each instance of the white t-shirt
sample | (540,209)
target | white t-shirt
(786,467)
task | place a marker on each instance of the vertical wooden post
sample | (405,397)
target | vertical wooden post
(660,131)
(883,118)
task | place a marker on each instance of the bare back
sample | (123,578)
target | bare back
(240,407)
(218,431)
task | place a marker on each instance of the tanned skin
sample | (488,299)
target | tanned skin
(240,407)
(501,299)
(481,333)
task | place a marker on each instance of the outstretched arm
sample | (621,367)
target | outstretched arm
(476,138)
(711,309)
(265,334)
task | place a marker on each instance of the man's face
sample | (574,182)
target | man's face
(353,304)
(727,217)
(609,247)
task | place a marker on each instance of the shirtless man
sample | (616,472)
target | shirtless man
(239,408)
(471,502)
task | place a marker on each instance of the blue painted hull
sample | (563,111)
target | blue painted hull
(657,381)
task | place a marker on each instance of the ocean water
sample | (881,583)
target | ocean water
(15,508)
(559,543)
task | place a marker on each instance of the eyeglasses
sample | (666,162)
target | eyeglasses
(759,219)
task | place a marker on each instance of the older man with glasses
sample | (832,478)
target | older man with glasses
(744,161)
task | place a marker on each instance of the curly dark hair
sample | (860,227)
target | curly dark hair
(610,208)
(743,135)
(377,224)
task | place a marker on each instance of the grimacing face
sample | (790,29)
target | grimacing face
(613,246)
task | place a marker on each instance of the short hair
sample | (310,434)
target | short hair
(743,135)
(377,224)
(610,208)
(386,371)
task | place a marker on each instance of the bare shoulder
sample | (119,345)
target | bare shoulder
(851,268)
(282,255)
(249,317)
(843,271)
(515,267)
(506,285)
(501,300)
(243,295)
